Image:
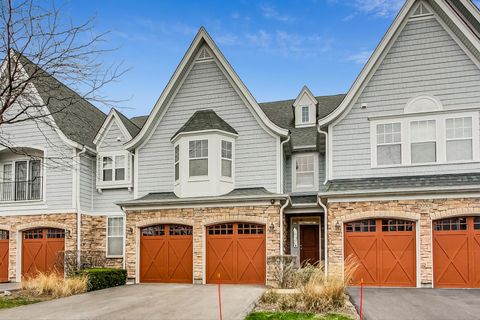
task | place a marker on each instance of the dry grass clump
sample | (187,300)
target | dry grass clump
(269,297)
(55,285)
(321,294)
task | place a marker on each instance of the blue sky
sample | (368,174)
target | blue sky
(275,46)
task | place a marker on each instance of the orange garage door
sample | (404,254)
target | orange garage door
(456,253)
(41,251)
(384,250)
(236,252)
(3,255)
(166,254)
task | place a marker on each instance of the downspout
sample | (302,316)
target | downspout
(326,152)
(282,209)
(124,262)
(79,215)
(281,162)
(325,228)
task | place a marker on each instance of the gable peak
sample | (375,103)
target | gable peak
(305,92)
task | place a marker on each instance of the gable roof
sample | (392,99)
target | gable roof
(75,117)
(386,42)
(205,120)
(203,38)
(305,91)
(139,121)
(132,128)
(128,128)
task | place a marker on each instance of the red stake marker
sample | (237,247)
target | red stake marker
(219,298)
(361,299)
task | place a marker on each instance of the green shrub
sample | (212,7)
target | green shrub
(101,278)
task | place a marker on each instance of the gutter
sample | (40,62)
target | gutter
(403,191)
(326,152)
(79,215)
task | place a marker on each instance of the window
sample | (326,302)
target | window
(305,114)
(114,168)
(361,226)
(226,159)
(177,162)
(198,155)
(305,171)
(423,141)
(21,180)
(115,237)
(459,139)
(389,144)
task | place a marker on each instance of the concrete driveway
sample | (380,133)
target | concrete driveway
(145,301)
(406,304)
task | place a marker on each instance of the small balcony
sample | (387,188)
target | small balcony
(21,190)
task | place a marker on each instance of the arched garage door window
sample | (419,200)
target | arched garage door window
(384,250)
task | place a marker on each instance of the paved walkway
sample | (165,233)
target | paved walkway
(9,286)
(425,304)
(145,301)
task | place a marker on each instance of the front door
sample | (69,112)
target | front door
(309,246)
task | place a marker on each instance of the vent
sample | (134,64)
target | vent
(421,10)
(204,55)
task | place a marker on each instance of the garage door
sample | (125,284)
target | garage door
(236,252)
(456,252)
(3,255)
(384,250)
(166,254)
(42,251)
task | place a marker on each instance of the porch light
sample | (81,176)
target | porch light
(271,228)
(68,233)
(337,225)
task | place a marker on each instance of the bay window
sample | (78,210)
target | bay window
(177,162)
(226,159)
(459,139)
(198,157)
(422,139)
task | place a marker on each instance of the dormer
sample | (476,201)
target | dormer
(204,156)
(114,161)
(305,109)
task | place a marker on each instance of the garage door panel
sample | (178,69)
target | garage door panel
(4,251)
(166,254)
(476,260)
(384,250)
(236,252)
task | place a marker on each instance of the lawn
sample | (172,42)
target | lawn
(10,302)
(292,316)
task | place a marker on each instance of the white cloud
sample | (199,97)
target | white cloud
(360,57)
(226,39)
(270,12)
(380,8)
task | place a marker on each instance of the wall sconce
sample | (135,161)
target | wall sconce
(271,228)
(337,225)
(68,233)
(130,230)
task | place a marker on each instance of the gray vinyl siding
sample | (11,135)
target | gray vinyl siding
(206,87)
(110,140)
(423,60)
(58,163)
(87,182)
(288,174)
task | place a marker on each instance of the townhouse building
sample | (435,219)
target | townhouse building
(212,183)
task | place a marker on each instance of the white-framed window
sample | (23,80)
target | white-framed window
(176,162)
(389,143)
(226,159)
(198,157)
(423,139)
(305,172)
(21,180)
(459,137)
(113,169)
(305,114)
(115,236)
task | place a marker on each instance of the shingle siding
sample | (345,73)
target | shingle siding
(206,87)
(110,141)
(87,182)
(425,59)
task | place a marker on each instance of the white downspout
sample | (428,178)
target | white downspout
(124,262)
(281,223)
(325,228)
(79,215)
(282,171)
(326,153)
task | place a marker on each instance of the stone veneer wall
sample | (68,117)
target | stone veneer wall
(423,211)
(198,218)
(18,223)
(94,238)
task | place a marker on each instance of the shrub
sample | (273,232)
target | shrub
(101,278)
(288,302)
(269,297)
(303,275)
(55,285)
(283,270)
